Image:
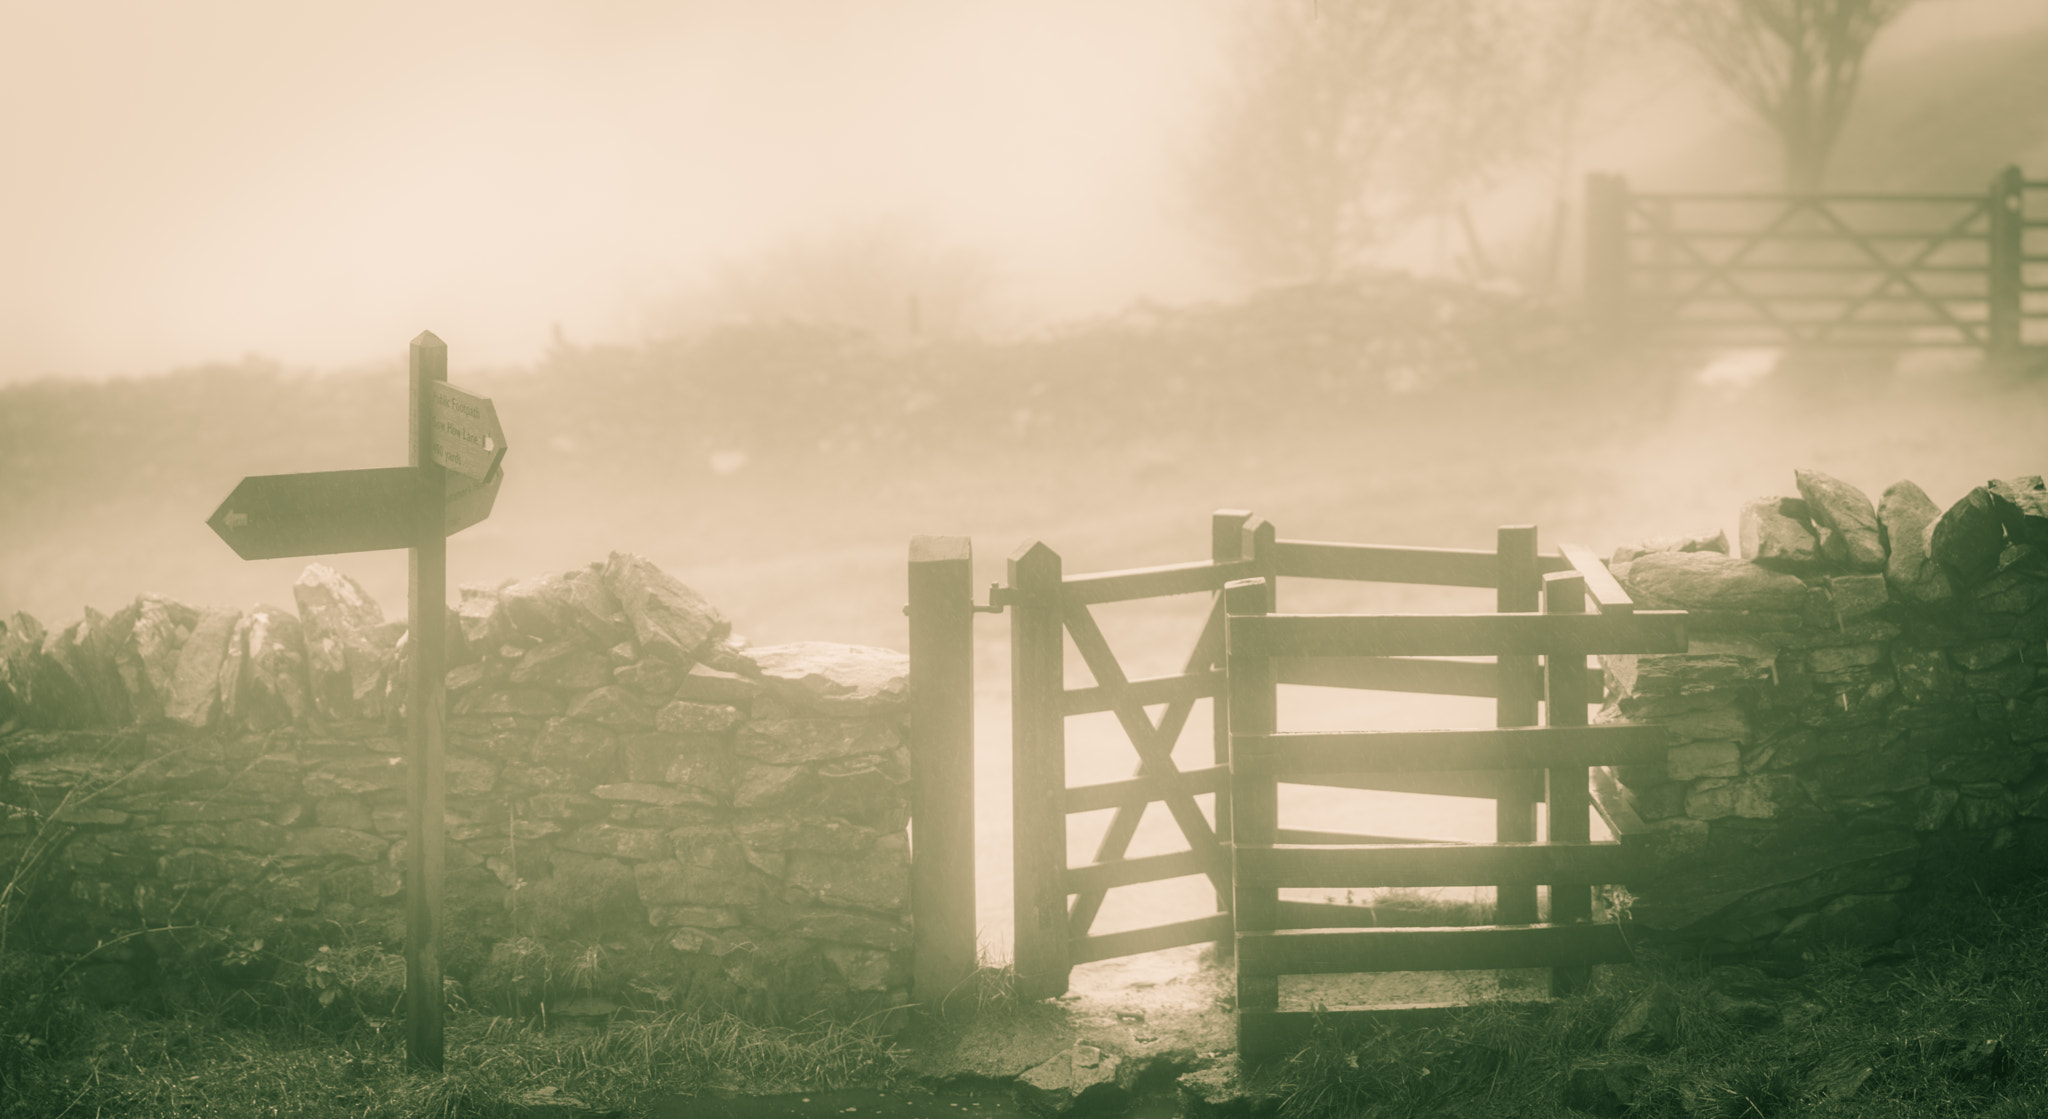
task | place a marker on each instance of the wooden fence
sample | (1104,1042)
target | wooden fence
(1056,905)
(1264,649)
(1839,269)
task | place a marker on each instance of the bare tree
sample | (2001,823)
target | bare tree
(1349,118)
(1795,63)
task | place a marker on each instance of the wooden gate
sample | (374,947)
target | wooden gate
(1056,905)
(1835,269)
(1274,938)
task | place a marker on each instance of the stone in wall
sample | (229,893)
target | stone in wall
(1967,539)
(347,642)
(1846,516)
(1717,585)
(2022,508)
(44,694)
(195,694)
(538,607)
(1908,516)
(485,624)
(161,627)
(1775,532)
(90,652)
(669,620)
(595,611)
(274,689)
(1629,552)
(835,679)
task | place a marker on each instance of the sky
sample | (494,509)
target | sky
(316,182)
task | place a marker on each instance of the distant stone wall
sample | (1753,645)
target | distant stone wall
(641,809)
(1862,715)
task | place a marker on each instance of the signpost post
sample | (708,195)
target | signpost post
(427,595)
(450,483)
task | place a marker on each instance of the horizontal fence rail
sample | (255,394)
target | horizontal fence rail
(1293,753)
(1456,864)
(1454,635)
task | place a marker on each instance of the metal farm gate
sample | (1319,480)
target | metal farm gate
(1831,269)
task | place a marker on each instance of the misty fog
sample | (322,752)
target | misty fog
(763,289)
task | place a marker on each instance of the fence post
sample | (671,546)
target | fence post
(1607,280)
(1517,591)
(941,766)
(1255,820)
(1566,687)
(1038,773)
(2005,208)
(1226,545)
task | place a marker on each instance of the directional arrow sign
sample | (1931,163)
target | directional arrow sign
(270,516)
(467,438)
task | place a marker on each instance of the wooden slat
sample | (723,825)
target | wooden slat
(1458,635)
(1144,790)
(1304,835)
(1147,868)
(1379,563)
(1519,785)
(1317,952)
(1105,946)
(1600,582)
(1144,692)
(1468,864)
(1151,582)
(1391,674)
(1287,754)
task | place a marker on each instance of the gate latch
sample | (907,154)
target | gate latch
(998,598)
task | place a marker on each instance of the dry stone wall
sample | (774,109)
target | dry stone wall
(642,809)
(1862,715)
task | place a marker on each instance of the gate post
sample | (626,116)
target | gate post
(1566,687)
(941,734)
(1606,280)
(2004,207)
(1038,773)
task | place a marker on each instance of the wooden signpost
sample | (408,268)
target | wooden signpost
(451,480)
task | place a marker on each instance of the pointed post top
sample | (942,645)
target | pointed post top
(428,339)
